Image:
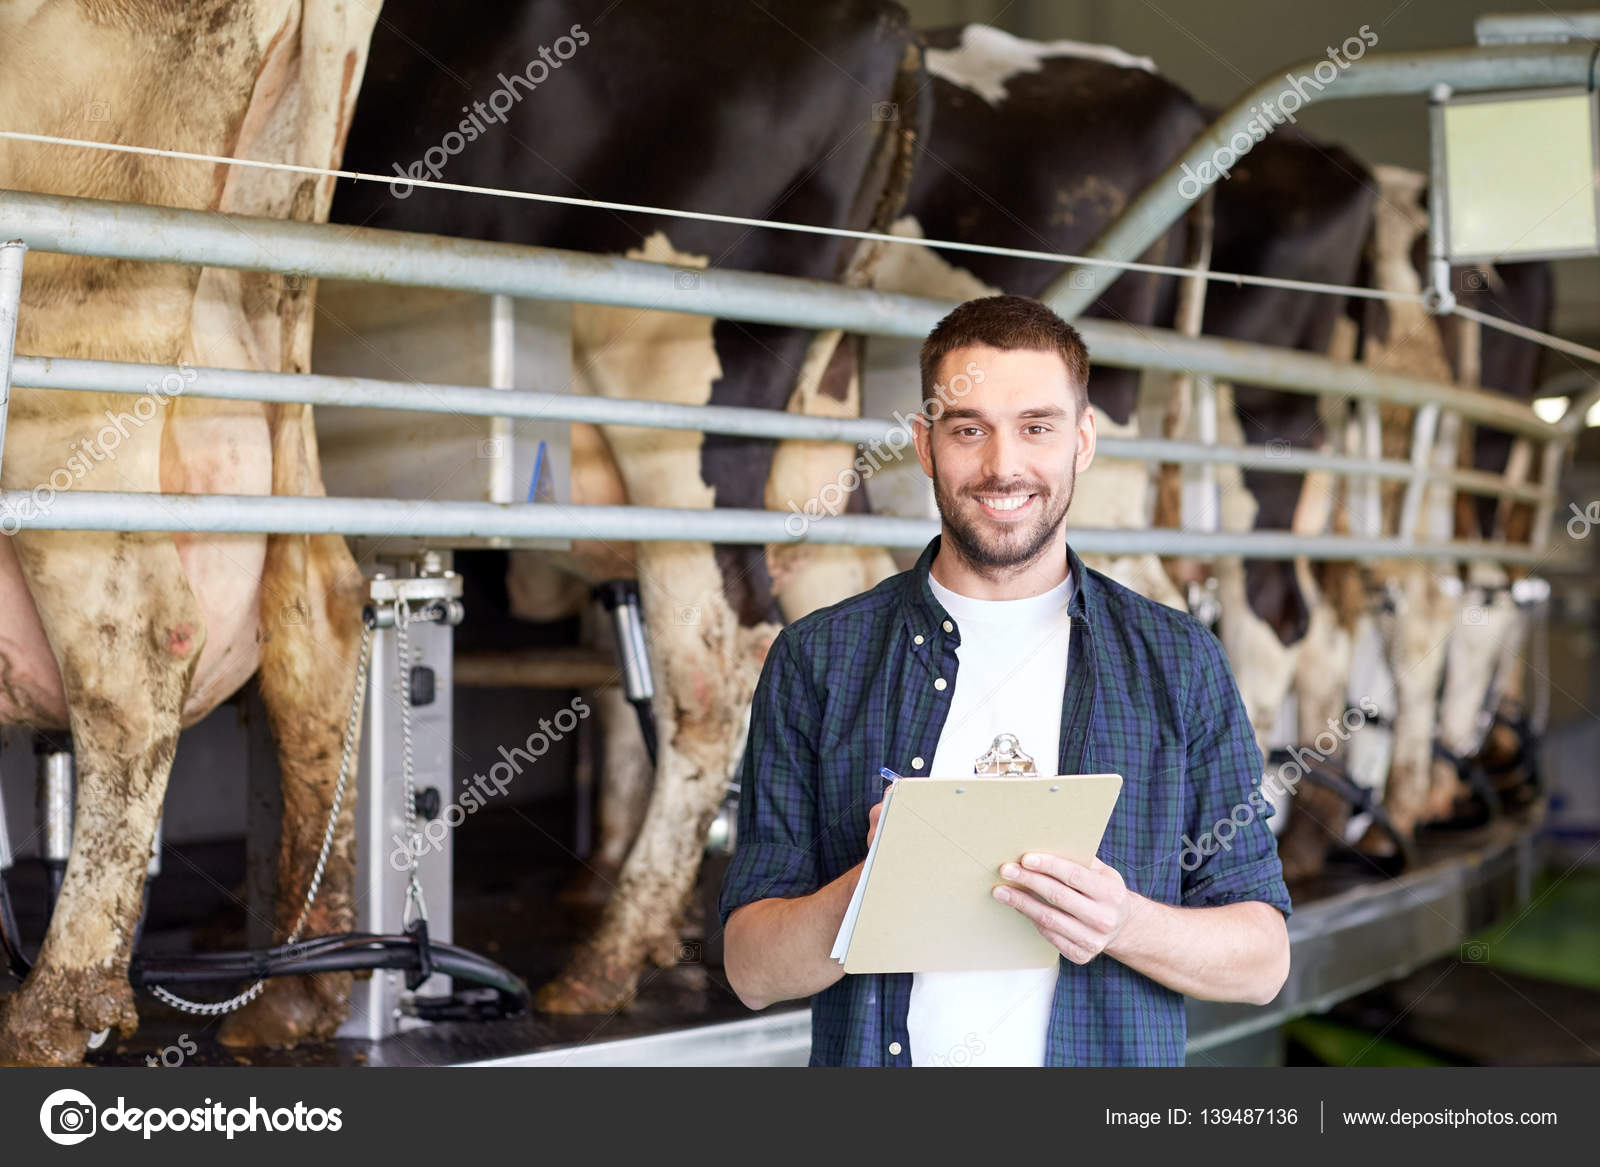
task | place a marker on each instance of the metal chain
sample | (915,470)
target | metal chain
(217,1008)
(402,641)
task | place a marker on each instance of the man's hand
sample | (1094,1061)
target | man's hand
(1081,910)
(872,821)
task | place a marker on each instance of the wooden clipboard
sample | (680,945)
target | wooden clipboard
(925,902)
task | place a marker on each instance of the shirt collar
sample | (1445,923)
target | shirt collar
(923,612)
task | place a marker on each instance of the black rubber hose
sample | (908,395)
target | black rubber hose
(350,952)
(10,936)
(647,727)
(55,875)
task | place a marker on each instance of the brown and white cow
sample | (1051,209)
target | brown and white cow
(799,111)
(126,638)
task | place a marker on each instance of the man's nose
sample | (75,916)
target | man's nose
(1002,457)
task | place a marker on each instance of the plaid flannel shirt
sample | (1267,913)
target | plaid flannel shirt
(1149,695)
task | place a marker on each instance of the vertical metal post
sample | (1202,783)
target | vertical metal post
(1438,295)
(1555,453)
(377,1003)
(1371,510)
(1423,430)
(502,375)
(11,254)
(1205,418)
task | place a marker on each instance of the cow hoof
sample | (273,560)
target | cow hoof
(1378,844)
(574,993)
(290,1011)
(48,1022)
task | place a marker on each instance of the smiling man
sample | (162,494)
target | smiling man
(1000,629)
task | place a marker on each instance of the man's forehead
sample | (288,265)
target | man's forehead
(1002,378)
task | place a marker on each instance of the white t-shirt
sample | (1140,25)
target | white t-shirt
(1012,672)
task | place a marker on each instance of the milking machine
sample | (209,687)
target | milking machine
(620,598)
(403,863)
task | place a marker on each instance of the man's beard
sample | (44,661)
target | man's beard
(978,540)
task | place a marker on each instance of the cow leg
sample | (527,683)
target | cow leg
(311,636)
(311,597)
(627,777)
(1417,634)
(707,666)
(1317,816)
(126,632)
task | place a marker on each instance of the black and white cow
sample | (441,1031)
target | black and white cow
(799,111)
(1039,145)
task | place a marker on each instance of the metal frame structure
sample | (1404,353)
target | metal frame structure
(163,235)
(166,235)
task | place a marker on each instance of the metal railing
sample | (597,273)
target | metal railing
(89,227)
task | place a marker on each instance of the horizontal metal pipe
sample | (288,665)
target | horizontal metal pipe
(75,375)
(1254,364)
(1161,203)
(168,235)
(1521,28)
(234,514)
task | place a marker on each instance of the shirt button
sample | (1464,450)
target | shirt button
(939,683)
(916,763)
(916,640)
(949,627)
(894,1048)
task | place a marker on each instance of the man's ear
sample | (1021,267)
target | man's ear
(1086,437)
(922,438)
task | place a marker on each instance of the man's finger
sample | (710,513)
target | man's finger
(1066,946)
(1041,913)
(1074,875)
(1055,893)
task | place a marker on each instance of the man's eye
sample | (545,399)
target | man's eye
(968,430)
(1039,429)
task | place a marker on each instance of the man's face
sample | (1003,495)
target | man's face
(1005,452)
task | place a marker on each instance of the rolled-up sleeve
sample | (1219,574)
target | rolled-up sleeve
(1229,855)
(775,848)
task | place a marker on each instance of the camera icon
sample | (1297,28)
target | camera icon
(686,614)
(687,281)
(690,952)
(1472,616)
(98,111)
(1083,278)
(491,449)
(295,281)
(294,613)
(1475,952)
(885,111)
(1277,448)
(1474,280)
(67,1117)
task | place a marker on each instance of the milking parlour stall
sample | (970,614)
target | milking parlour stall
(499,501)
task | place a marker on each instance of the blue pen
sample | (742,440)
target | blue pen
(889,774)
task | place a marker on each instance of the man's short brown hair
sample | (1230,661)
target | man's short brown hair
(1006,322)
